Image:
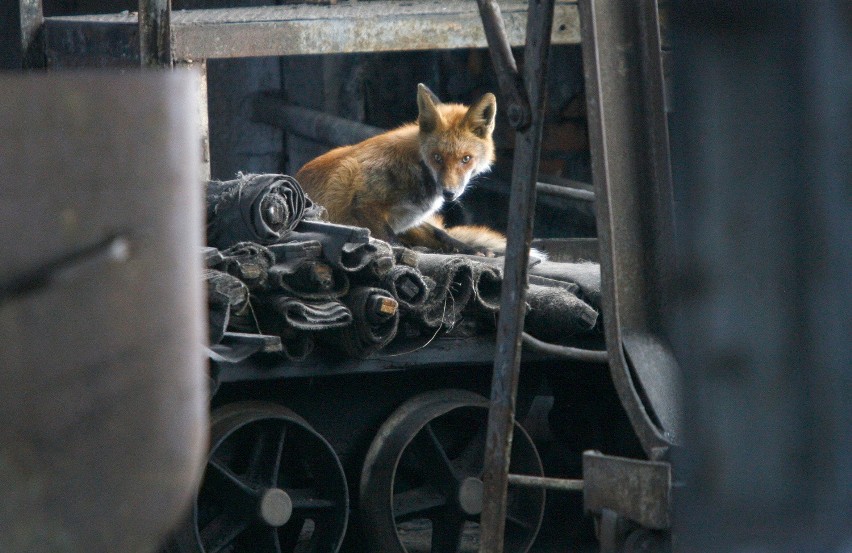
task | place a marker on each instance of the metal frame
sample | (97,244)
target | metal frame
(630,154)
(22,40)
(630,166)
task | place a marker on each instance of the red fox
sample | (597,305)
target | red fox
(394,183)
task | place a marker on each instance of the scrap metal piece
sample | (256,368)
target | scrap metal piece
(635,489)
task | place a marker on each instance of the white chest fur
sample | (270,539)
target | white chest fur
(410,214)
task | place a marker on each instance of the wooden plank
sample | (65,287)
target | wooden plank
(376,26)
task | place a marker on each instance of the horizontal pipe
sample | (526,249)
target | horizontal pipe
(557,484)
(564,191)
(566,352)
(311,124)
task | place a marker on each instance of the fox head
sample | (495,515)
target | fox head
(455,140)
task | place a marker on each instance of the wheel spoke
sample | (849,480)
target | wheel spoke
(279,454)
(265,455)
(447,529)
(472,457)
(259,539)
(288,535)
(221,532)
(417,502)
(307,499)
(518,523)
(432,457)
(228,479)
(276,541)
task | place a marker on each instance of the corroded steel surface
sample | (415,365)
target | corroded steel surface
(375,26)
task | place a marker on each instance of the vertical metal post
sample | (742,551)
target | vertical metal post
(155,48)
(200,67)
(32,40)
(103,391)
(512,301)
(21,43)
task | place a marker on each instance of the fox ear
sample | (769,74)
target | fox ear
(480,116)
(423,89)
(428,116)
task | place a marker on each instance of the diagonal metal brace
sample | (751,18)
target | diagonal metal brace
(510,81)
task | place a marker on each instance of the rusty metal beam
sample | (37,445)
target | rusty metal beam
(512,305)
(376,26)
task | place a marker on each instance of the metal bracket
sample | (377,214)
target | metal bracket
(638,490)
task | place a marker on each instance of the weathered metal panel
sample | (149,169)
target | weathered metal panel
(376,26)
(103,387)
(629,148)
(353,27)
(635,489)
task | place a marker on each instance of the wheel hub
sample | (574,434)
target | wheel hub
(470,496)
(276,507)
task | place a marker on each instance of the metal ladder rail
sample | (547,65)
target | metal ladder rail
(526,93)
(644,169)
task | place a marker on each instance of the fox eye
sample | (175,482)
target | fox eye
(465,159)
(438,158)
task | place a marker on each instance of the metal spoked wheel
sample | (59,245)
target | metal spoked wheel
(272,485)
(421,485)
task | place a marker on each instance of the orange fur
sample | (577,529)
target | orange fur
(394,183)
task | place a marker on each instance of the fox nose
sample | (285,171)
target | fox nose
(449,195)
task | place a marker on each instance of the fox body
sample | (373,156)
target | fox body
(395,183)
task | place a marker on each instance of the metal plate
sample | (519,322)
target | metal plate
(635,489)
